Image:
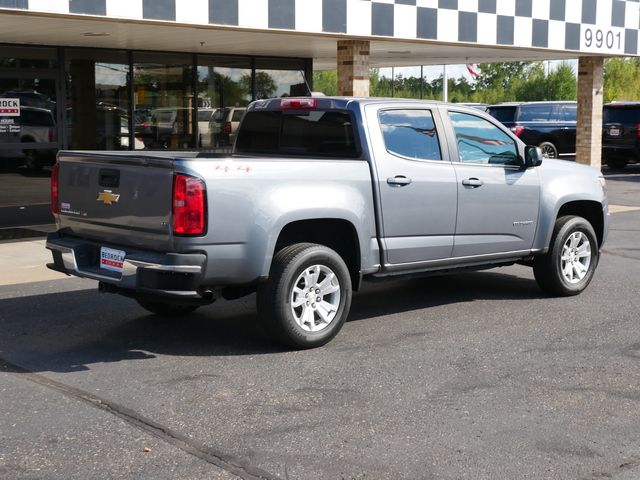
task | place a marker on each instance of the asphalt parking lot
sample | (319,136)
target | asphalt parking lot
(475,376)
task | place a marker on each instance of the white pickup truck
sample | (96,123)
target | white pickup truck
(319,194)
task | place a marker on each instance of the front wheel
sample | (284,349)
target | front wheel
(308,296)
(571,261)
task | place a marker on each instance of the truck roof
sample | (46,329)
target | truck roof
(342,103)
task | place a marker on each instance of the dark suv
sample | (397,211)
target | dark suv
(550,125)
(621,135)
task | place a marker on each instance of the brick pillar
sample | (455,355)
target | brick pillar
(353,68)
(590,98)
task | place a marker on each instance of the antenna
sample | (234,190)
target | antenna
(304,78)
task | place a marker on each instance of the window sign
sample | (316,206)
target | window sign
(9,107)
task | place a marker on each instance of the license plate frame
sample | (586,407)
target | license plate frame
(614,132)
(112,259)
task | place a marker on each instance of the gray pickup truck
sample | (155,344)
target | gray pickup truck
(319,194)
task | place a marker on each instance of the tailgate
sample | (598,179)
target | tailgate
(117,198)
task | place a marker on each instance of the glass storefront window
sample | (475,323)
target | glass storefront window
(97,106)
(28,135)
(278,77)
(163,101)
(224,91)
(99,99)
(28,58)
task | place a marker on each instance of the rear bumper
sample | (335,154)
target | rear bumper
(630,152)
(171,275)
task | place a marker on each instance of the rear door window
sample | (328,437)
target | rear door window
(237,115)
(535,113)
(410,133)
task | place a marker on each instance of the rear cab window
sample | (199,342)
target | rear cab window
(312,133)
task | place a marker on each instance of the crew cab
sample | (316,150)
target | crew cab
(319,195)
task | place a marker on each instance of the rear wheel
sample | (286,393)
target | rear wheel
(167,309)
(549,150)
(308,296)
(571,261)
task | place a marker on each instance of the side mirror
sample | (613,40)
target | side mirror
(533,156)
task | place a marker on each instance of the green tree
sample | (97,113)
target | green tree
(326,81)
(265,85)
(622,79)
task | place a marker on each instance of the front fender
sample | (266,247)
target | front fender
(561,183)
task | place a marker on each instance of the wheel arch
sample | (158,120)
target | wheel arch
(338,234)
(590,210)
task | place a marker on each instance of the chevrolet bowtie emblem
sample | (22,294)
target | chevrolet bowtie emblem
(108,197)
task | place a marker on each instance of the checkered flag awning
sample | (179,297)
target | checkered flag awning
(598,26)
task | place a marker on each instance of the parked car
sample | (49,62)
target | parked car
(319,194)
(549,125)
(204,121)
(165,127)
(224,124)
(621,134)
(33,126)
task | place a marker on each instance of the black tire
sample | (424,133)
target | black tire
(549,150)
(616,163)
(167,309)
(548,270)
(274,296)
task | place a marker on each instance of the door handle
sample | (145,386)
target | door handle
(399,181)
(472,182)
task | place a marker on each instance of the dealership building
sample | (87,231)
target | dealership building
(177,74)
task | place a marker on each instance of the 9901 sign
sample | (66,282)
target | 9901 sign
(596,39)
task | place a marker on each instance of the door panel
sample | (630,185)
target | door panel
(417,189)
(498,202)
(499,216)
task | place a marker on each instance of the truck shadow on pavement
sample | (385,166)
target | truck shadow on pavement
(69,331)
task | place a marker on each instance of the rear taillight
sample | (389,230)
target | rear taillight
(637,127)
(55,198)
(518,129)
(189,205)
(298,103)
(227,128)
(50,136)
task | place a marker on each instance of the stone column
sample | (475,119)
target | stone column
(590,98)
(353,68)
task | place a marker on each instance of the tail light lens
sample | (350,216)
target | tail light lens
(55,198)
(637,127)
(517,130)
(227,128)
(189,205)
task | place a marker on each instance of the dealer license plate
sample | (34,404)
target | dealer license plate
(614,132)
(111,259)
